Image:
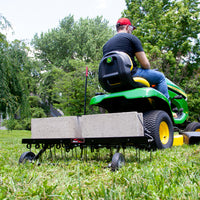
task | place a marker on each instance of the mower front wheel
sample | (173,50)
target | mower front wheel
(158,125)
(193,126)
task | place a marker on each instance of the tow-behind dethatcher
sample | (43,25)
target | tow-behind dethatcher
(138,116)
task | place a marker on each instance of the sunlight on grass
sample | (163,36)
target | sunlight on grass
(171,174)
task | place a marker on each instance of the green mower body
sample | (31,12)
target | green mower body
(146,99)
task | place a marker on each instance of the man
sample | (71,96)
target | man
(126,42)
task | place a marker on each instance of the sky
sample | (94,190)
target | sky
(29,17)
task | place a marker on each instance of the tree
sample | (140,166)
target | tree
(72,89)
(169,31)
(66,51)
(16,72)
(80,40)
(13,87)
(4,23)
(194,98)
(19,75)
(66,91)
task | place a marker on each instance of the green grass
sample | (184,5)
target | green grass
(171,174)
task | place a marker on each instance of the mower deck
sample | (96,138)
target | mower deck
(191,137)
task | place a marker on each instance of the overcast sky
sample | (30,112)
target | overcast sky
(28,17)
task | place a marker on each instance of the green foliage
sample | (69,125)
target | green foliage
(171,174)
(4,23)
(17,124)
(81,40)
(37,110)
(66,51)
(193,88)
(37,113)
(10,124)
(13,87)
(66,91)
(35,101)
(37,107)
(18,75)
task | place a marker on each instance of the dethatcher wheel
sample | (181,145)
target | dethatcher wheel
(193,126)
(117,161)
(159,125)
(27,156)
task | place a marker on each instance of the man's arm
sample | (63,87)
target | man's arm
(143,60)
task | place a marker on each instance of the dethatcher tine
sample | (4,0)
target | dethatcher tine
(138,116)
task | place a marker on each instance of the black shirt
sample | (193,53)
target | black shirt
(124,42)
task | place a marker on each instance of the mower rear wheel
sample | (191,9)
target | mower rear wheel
(193,126)
(26,156)
(158,125)
(117,161)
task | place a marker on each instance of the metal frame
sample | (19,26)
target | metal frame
(93,143)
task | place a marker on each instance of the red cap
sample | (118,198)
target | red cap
(124,21)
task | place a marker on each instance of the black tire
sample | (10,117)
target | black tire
(26,156)
(158,125)
(118,161)
(193,126)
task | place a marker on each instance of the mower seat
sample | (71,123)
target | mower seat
(115,73)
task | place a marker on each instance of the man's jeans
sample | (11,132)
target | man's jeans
(154,78)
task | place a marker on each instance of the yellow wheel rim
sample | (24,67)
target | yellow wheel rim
(164,132)
(197,130)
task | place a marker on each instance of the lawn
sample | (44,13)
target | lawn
(170,174)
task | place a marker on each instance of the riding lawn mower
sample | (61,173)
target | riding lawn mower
(161,117)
